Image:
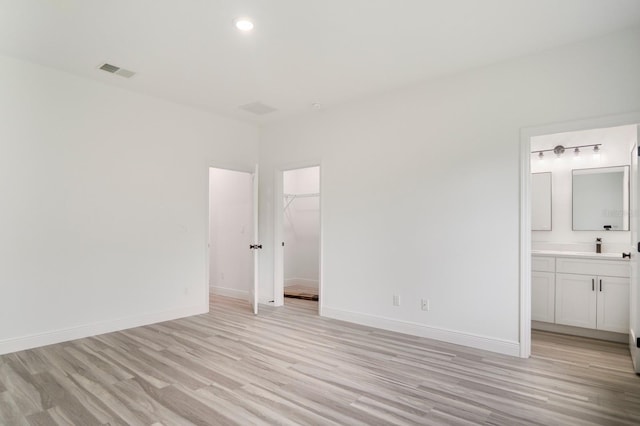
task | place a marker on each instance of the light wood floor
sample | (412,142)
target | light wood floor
(289,366)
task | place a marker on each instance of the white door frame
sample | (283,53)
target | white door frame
(526,134)
(634,288)
(223,166)
(278,233)
(255,220)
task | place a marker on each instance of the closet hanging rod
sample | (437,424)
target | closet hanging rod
(291,197)
(301,195)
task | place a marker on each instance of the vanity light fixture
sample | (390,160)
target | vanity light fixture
(559,150)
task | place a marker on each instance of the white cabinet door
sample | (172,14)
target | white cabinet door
(613,304)
(543,296)
(576,300)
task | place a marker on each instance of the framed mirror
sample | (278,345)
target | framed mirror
(541,201)
(601,199)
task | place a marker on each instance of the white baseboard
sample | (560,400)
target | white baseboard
(635,351)
(416,329)
(301,281)
(73,333)
(230,292)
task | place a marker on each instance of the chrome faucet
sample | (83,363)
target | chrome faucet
(598,245)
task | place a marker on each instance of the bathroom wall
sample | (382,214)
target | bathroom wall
(302,228)
(616,150)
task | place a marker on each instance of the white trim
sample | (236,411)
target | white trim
(525,214)
(321,242)
(230,292)
(501,346)
(525,245)
(278,237)
(101,327)
(255,216)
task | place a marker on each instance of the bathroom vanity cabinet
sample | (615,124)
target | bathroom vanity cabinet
(580,291)
(543,289)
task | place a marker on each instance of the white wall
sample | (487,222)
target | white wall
(421,188)
(231,233)
(302,227)
(104,205)
(617,144)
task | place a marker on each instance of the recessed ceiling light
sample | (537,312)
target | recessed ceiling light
(244,24)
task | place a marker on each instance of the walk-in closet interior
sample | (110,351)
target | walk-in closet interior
(302,233)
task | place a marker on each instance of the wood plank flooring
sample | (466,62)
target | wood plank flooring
(288,366)
(298,291)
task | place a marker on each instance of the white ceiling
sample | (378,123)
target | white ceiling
(301,51)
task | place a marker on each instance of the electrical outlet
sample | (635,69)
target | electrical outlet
(396,300)
(425,304)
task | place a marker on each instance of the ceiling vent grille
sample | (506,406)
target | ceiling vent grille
(116,70)
(258,108)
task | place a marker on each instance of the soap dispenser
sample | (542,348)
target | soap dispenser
(598,245)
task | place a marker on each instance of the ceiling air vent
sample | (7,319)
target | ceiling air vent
(116,70)
(258,108)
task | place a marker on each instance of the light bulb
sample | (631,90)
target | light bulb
(558,150)
(244,24)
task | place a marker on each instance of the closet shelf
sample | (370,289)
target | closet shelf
(301,195)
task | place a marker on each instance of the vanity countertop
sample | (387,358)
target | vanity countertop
(580,254)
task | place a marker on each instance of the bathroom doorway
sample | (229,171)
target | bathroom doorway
(557,159)
(301,234)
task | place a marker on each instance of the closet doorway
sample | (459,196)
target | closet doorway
(301,234)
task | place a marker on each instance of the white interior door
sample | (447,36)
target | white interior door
(634,293)
(256,246)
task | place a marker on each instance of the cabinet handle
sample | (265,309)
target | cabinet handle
(600,285)
(593,284)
